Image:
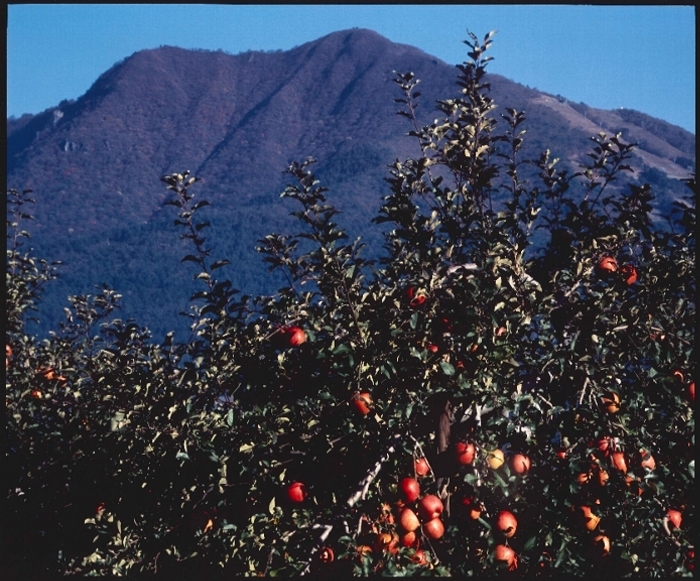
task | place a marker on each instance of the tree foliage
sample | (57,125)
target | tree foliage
(129,455)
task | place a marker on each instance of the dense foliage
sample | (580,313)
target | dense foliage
(549,391)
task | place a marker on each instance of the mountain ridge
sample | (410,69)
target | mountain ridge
(237,121)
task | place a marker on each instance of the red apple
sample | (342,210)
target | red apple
(506,523)
(647,460)
(409,539)
(296,491)
(471,507)
(434,528)
(421,466)
(430,507)
(601,545)
(410,489)
(419,557)
(387,542)
(630,273)
(408,520)
(608,264)
(363,402)
(326,555)
(465,452)
(520,464)
(618,461)
(505,557)
(295,335)
(675,518)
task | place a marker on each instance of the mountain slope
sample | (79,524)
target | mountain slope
(237,121)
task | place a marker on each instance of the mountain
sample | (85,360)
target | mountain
(237,121)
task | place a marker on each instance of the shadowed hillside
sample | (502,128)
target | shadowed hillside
(236,122)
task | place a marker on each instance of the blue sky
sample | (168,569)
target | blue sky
(638,57)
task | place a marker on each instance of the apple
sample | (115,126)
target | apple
(601,545)
(603,477)
(416,296)
(8,355)
(410,489)
(630,273)
(611,401)
(618,461)
(408,520)
(505,557)
(419,557)
(647,460)
(420,465)
(293,335)
(409,539)
(363,551)
(674,517)
(496,459)
(506,523)
(296,492)
(520,464)
(605,445)
(500,332)
(363,402)
(608,264)
(387,542)
(472,508)
(465,452)
(561,453)
(583,477)
(434,528)
(691,391)
(590,520)
(430,507)
(326,555)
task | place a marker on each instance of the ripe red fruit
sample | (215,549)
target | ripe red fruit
(296,491)
(520,464)
(387,542)
(416,296)
(675,518)
(419,557)
(434,528)
(608,264)
(506,523)
(421,467)
(691,391)
(605,445)
(590,520)
(430,507)
(409,539)
(294,336)
(472,508)
(601,545)
(505,557)
(647,460)
(465,452)
(410,489)
(408,520)
(618,461)
(611,401)
(363,402)
(630,273)
(326,555)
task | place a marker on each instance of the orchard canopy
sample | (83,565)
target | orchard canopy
(508,389)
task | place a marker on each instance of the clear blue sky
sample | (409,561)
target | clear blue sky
(639,57)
